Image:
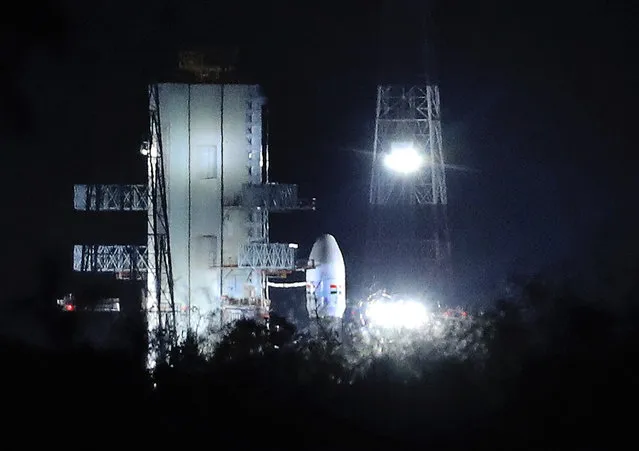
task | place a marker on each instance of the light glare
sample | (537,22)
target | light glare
(403,159)
(397,315)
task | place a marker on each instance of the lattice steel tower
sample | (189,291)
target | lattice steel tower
(160,301)
(408,238)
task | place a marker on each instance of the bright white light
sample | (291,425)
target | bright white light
(403,158)
(397,315)
(293,245)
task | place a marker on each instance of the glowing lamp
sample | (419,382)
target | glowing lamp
(403,158)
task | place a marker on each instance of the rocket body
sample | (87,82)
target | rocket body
(326,281)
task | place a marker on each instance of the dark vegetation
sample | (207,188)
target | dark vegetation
(553,371)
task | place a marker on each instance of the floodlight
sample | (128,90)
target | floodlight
(403,158)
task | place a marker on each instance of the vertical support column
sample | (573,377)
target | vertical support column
(222,206)
(160,305)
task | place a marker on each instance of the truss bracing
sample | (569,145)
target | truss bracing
(110,197)
(111,258)
(160,307)
(268,256)
(274,197)
(408,113)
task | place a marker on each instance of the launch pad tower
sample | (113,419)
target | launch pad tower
(218,201)
(208,199)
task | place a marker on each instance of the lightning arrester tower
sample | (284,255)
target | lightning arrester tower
(408,232)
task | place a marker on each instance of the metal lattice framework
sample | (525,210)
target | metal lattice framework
(275,197)
(267,256)
(160,306)
(124,261)
(111,258)
(408,114)
(408,211)
(110,197)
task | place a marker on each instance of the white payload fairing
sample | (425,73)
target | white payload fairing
(326,280)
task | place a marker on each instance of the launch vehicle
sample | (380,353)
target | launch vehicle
(326,280)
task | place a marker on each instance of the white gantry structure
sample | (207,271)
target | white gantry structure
(208,201)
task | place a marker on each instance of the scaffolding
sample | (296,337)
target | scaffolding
(275,197)
(123,261)
(267,256)
(116,259)
(110,197)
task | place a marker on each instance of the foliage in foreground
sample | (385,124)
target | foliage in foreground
(542,364)
(544,368)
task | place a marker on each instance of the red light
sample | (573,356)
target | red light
(69,307)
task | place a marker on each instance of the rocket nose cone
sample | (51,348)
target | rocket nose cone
(326,250)
(327,240)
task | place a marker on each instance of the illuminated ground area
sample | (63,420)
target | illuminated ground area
(400,329)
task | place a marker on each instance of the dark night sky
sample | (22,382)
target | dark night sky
(538,99)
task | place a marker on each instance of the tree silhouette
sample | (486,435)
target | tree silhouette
(542,368)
